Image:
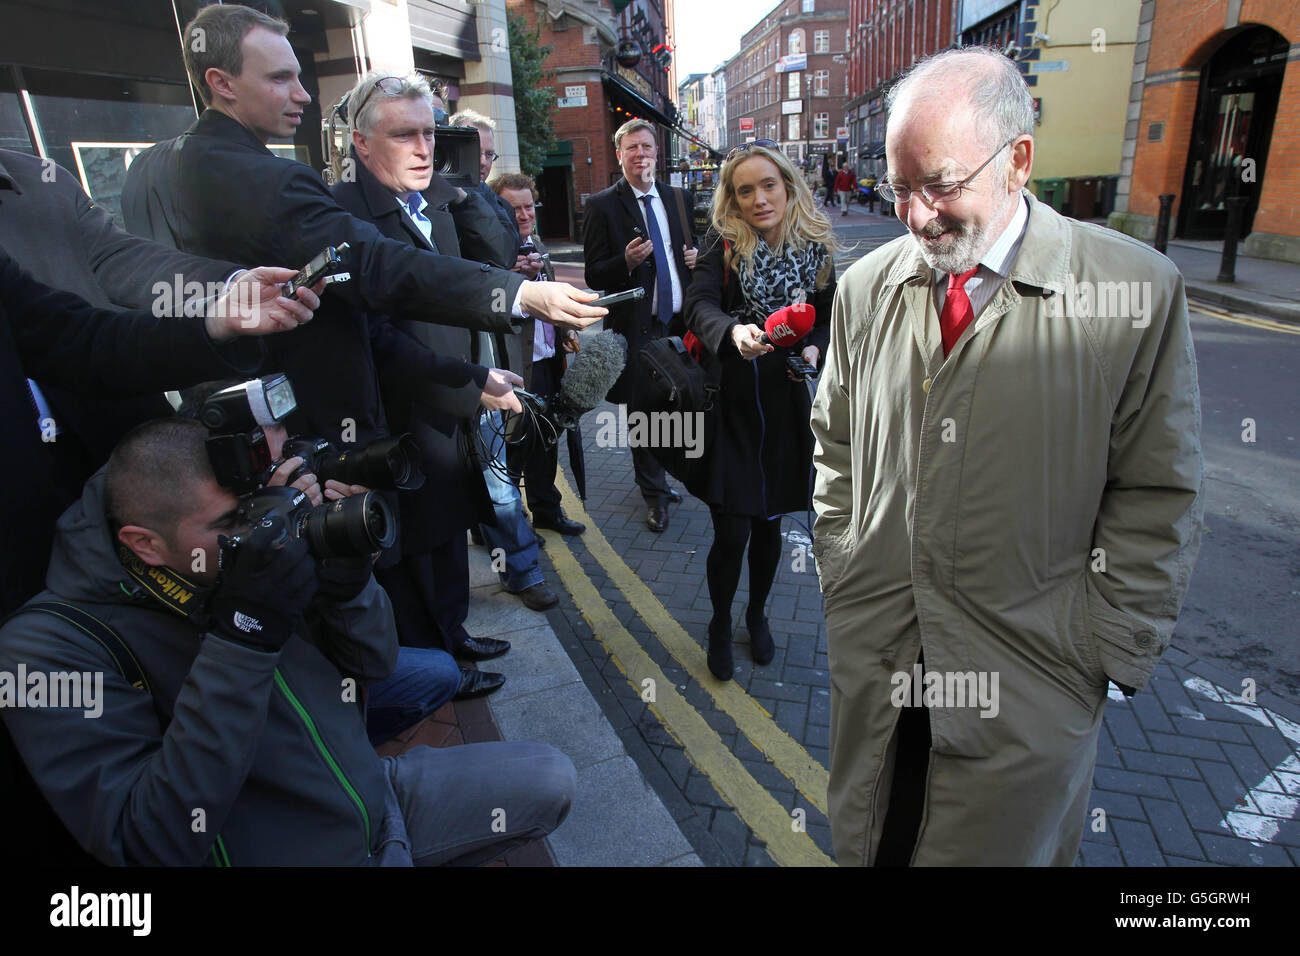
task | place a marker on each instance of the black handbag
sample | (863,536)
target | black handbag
(674,396)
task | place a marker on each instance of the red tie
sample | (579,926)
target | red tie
(957,311)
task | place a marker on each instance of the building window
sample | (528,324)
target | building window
(792,86)
(795,42)
(792,126)
(821,83)
(822,41)
(821,125)
(809,6)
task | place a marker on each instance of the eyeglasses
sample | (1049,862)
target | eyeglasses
(934,192)
(766,143)
(491,156)
(391,85)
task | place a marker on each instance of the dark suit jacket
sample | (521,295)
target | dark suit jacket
(453,497)
(51,228)
(60,338)
(607,229)
(224,193)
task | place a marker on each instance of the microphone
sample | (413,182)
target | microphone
(591,374)
(788,326)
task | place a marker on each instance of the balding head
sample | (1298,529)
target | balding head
(979,90)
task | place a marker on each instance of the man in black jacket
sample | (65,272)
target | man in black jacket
(217,190)
(391,121)
(623,249)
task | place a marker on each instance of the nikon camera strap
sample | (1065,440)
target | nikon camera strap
(108,638)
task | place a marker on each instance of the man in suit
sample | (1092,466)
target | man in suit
(543,364)
(392,128)
(234,198)
(488,155)
(634,235)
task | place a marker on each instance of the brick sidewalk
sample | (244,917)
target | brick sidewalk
(1186,773)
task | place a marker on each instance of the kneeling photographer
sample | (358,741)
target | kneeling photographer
(232,732)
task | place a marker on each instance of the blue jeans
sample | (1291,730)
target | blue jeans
(512,533)
(423,680)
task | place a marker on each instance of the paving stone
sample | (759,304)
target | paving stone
(757,855)
(1181,861)
(732,835)
(700,792)
(1137,843)
(676,764)
(779,690)
(1229,792)
(770,777)
(1169,765)
(1169,824)
(821,835)
(1272,746)
(1126,781)
(1175,698)
(1211,730)
(1198,803)
(1107,755)
(1124,729)
(1250,766)
(696,831)
(1117,804)
(1097,854)
(1105,836)
(1185,746)
(792,716)
(1238,852)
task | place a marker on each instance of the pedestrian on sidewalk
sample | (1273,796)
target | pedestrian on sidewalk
(828,177)
(769,242)
(1008,492)
(845,186)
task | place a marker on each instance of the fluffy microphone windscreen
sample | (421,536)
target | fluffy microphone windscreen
(787,326)
(594,370)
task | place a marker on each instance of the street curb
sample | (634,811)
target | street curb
(626,803)
(1216,296)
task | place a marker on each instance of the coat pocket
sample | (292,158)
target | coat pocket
(1126,647)
(832,552)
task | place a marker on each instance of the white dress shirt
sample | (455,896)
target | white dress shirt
(661,216)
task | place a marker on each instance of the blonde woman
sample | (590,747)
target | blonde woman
(767,244)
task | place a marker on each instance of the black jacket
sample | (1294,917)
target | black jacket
(60,338)
(56,233)
(453,497)
(223,192)
(760,458)
(611,216)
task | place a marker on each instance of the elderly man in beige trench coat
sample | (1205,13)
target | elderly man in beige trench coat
(1007,491)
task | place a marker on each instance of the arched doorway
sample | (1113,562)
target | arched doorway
(1240,88)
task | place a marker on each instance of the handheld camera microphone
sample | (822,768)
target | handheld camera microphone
(591,374)
(788,326)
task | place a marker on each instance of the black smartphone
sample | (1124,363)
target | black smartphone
(797,365)
(605,301)
(315,270)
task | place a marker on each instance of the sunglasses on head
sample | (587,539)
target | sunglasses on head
(766,143)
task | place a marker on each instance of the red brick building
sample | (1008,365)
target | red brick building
(885,38)
(609,68)
(788,83)
(1215,114)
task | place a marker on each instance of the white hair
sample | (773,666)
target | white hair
(472,118)
(366,98)
(989,83)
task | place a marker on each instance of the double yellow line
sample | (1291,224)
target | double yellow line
(787,842)
(1254,321)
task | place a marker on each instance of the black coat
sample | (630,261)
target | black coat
(453,497)
(611,216)
(760,458)
(59,338)
(54,231)
(221,192)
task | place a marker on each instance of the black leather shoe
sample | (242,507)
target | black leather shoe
(538,597)
(561,523)
(478,683)
(674,496)
(481,649)
(656,518)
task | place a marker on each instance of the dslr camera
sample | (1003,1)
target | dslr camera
(236,419)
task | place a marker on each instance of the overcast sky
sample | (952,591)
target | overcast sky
(709,31)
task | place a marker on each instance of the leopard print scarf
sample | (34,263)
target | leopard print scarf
(768,282)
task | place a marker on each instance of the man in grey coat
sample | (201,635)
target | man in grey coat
(1008,490)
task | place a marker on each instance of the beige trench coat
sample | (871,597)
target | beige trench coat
(1028,508)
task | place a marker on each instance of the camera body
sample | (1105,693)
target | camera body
(388,463)
(456,152)
(349,527)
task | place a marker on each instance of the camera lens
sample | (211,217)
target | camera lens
(387,463)
(349,527)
